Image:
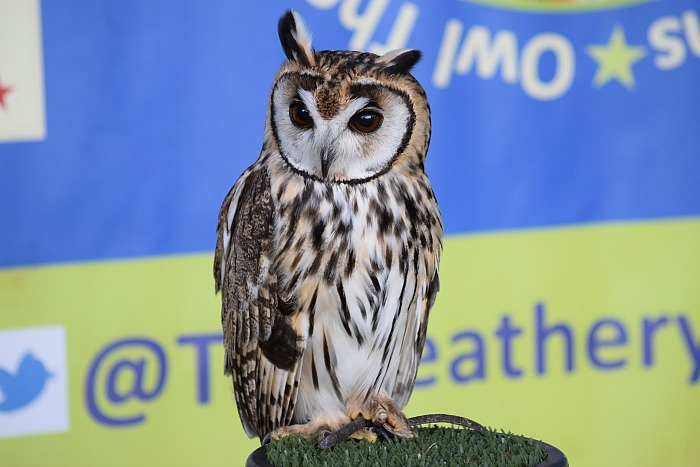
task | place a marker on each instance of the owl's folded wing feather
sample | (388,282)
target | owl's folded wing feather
(262,353)
(242,263)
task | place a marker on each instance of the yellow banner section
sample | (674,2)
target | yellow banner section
(585,337)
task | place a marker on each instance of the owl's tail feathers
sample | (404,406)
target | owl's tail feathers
(244,388)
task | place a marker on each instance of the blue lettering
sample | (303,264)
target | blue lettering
(430,355)
(649,327)
(476,356)
(506,332)
(201,345)
(693,347)
(543,332)
(138,389)
(607,346)
(596,342)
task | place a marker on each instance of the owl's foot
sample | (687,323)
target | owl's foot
(382,411)
(317,428)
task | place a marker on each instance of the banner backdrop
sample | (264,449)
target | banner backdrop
(565,157)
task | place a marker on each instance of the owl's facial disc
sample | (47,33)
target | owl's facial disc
(339,133)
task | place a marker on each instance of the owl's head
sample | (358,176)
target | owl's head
(346,116)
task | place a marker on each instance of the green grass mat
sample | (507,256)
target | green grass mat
(433,446)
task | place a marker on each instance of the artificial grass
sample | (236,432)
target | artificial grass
(433,446)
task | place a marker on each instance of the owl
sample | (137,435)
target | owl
(329,244)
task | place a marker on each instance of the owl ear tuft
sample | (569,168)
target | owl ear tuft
(399,61)
(296,39)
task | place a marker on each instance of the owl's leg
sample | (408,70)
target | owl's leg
(316,428)
(382,411)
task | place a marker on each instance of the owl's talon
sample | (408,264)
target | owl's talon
(384,433)
(399,428)
(359,413)
(384,413)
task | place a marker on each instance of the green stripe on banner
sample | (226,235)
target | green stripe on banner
(587,337)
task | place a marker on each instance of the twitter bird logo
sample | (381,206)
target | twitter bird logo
(20,389)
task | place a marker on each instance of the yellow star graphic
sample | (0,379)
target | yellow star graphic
(615,59)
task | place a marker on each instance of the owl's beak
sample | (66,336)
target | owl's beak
(326,160)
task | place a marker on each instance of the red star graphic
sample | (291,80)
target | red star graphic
(3,92)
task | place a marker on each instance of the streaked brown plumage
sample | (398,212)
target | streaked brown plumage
(329,244)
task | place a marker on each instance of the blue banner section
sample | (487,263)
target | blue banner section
(541,117)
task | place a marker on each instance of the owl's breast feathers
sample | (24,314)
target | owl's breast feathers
(310,271)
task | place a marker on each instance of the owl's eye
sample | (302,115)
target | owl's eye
(366,121)
(300,115)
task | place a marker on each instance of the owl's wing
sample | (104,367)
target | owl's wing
(262,349)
